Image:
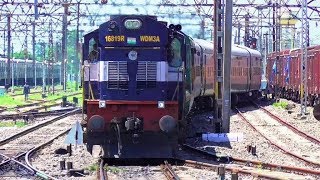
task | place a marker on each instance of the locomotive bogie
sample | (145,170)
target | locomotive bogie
(137,121)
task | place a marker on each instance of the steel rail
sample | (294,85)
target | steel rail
(309,137)
(35,104)
(34,114)
(31,129)
(255,163)
(32,151)
(102,172)
(274,143)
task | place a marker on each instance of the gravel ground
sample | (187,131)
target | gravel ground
(48,161)
(6,132)
(282,135)
(154,172)
(310,125)
(265,151)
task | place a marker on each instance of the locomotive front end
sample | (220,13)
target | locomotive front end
(137,110)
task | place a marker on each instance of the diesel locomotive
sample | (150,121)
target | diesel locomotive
(142,76)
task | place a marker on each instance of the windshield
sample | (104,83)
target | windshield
(175,58)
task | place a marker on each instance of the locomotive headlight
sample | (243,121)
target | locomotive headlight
(161,104)
(132,23)
(133,55)
(102,104)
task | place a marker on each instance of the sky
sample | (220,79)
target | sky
(189,18)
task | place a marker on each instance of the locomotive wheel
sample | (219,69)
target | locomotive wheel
(316,112)
(234,100)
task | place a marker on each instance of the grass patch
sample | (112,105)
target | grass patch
(18,124)
(11,101)
(282,105)
(92,168)
(114,170)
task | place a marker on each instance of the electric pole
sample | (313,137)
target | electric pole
(64,44)
(304,53)
(9,50)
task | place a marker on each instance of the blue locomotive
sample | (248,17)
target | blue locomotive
(141,78)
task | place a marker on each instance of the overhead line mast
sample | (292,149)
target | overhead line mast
(222,54)
(304,53)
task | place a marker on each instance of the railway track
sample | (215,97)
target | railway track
(291,141)
(168,171)
(30,114)
(33,92)
(17,148)
(36,104)
(256,168)
(305,135)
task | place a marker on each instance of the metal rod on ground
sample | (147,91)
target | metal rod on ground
(227,68)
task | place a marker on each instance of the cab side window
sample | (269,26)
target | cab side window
(175,59)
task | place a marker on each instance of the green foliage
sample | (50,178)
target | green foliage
(11,101)
(18,124)
(92,168)
(280,104)
(114,170)
(22,55)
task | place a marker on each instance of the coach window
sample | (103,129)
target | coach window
(175,59)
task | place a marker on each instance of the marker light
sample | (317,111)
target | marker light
(161,104)
(132,23)
(102,104)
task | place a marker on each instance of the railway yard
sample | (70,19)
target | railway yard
(275,143)
(159,90)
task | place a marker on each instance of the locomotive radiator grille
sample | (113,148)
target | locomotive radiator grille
(117,75)
(146,74)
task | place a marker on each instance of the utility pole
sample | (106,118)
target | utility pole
(64,43)
(202,28)
(238,35)
(222,93)
(34,53)
(246,31)
(4,54)
(278,43)
(9,50)
(43,69)
(76,61)
(304,53)
(227,68)
(25,54)
(51,63)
